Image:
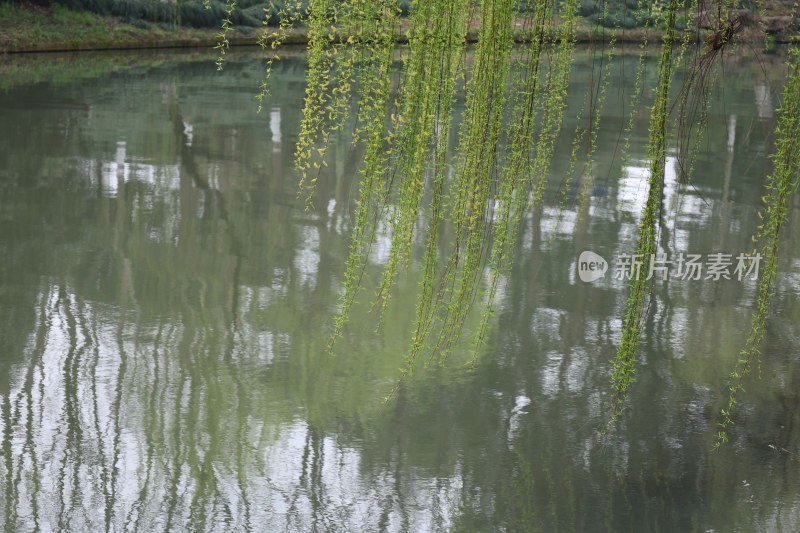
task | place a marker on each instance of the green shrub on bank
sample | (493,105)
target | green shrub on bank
(252,13)
(193,13)
(616,13)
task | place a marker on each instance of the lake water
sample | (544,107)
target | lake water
(165,303)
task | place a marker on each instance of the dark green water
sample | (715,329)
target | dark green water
(165,300)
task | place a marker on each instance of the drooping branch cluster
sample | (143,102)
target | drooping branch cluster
(781,185)
(464,207)
(624,363)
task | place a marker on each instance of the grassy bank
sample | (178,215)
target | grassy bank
(36,29)
(31,28)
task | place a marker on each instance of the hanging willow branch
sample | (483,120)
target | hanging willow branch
(523,178)
(465,209)
(782,183)
(624,363)
(418,131)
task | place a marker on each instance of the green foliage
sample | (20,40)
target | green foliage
(461,209)
(624,363)
(770,46)
(194,13)
(781,186)
(407,175)
(618,14)
(587,8)
(222,45)
(525,179)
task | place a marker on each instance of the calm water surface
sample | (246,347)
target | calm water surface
(165,300)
